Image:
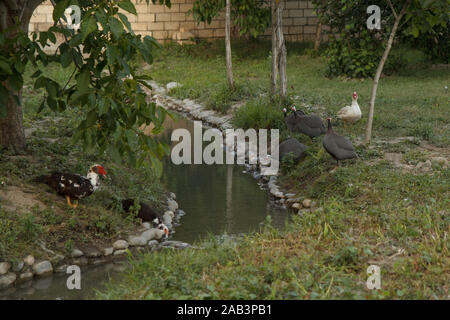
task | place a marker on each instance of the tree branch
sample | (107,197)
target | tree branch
(392,8)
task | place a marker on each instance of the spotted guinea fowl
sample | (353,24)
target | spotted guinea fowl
(74,186)
(292,146)
(310,125)
(339,147)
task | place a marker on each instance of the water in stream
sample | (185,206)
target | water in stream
(216,199)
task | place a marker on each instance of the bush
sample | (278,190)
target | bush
(259,114)
(221,99)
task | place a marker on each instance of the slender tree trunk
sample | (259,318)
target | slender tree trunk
(228,44)
(373,95)
(11,127)
(273,78)
(281,52)
(318,36)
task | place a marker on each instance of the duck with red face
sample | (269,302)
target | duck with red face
(74,186)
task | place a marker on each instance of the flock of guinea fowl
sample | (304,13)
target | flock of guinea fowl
(339,147)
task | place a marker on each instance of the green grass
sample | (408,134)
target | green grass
(50,147)
(368,211)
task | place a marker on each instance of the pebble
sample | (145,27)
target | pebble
(42,268)
(57,259)
(137,241)
(172,85)
(61,269)
(120,252)
(297,206)
(172,204)
(26,276)
(146,225)
(152,243)
(120,245)
(173,196)
(17,267)
(76,253)
(92,253)
(108,251)
(7,280)
(289,195)
(181,213)
(29,260)
(4,267)
(307,203)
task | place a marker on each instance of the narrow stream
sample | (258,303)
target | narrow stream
(216,199)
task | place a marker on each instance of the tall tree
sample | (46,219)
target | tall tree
(104,86)
(228,44)
(279,52)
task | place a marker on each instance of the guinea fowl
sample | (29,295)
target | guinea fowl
(339,147)
(310,125)
(350,114)
(294,147)
(74,186)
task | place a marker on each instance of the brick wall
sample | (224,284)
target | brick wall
(299,20)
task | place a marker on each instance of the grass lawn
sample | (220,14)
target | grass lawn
(370,211)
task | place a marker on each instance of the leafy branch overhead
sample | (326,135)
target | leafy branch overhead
(104,87)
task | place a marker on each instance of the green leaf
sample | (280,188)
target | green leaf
(83,80)
(88,26)
(125,21)
(5,67)
(115,154)
(127,6)
(60,7)
(116,27)
(156,166)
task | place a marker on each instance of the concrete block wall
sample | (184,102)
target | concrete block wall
(161,22)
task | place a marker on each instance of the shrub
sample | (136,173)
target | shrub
(221,99)
(259,114)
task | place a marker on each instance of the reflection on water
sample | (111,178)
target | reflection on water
(216,198)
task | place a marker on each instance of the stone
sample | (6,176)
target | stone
(181,213)
(297,206)
(108,251)
(146,225)
(153,233)
(29,260)
(81,261)
(153,243)
(26,276)
(7,280)
(120,252)
(76,253)
(172,204)
(57,259)
(307,203)
(120,245)
(289,195)
(4,267)
(18,266)
(172,85)
(92,253)
(43,268)
(61,268)
(173,196)
(441,161)
(167,217)
(175,244)
(137,241)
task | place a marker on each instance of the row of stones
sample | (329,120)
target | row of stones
(28,268)
(198,111)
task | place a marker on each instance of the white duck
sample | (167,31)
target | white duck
(350,113)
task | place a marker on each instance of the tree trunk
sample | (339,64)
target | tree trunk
(11,127)
(318,36)
(373,95)
(273,79)
(228,45)
(282,53)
